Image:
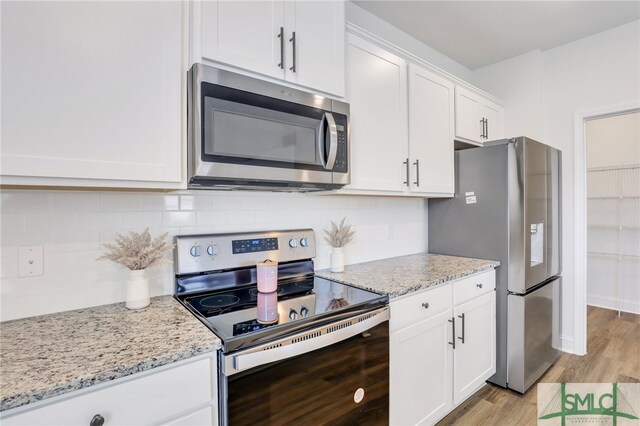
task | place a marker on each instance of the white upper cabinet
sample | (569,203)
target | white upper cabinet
(477,118)
(301,42)
(402,118)
(377,93)
(431,128)
(92,93)
(245,34)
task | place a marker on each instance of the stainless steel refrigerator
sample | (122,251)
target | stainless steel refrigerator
(507,207)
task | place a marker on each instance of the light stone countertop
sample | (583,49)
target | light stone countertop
(49,355)
(406,274)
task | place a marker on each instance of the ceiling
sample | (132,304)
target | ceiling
(479,33)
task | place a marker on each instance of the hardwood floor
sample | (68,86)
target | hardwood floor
(613,355)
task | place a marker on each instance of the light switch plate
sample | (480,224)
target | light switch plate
(31,261)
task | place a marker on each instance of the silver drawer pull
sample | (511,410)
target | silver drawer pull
(479,285)
(425,305)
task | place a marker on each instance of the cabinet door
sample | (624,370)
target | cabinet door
(468,109)
(475,355)
(245,34)
(319,44)
(421,372)
(493,113)
(92,90)
(431,127)
(377,92)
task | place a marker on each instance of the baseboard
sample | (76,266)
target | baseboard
(607,302)
(566,344)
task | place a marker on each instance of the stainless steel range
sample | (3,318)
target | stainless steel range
(322,357)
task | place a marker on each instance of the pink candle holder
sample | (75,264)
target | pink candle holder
(267,308)
(267,272)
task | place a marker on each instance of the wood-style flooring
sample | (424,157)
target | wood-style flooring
(613,355)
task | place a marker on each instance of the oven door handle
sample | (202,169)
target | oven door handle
(308,341)
(332,131)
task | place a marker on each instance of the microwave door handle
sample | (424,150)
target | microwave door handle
(333,141)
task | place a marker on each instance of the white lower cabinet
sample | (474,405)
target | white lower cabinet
(178,395)
(474,359)
(429,374)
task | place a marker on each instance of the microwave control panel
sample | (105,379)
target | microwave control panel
(341,164)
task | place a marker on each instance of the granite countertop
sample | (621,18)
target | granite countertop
(49,355)
(402,275)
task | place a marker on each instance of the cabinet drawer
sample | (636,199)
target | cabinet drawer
(148,399)
(410,309)
(473,286)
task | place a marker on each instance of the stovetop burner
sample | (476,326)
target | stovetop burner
(219,301)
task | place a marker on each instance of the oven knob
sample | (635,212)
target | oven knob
(195,251)
(293,314)
(304,242)
(293,243)
(304,312)
(212,250)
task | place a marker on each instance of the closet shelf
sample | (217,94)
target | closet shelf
(621,256)
(612,168)
(615,197)
(615,227)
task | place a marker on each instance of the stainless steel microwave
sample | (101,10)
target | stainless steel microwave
(245,133)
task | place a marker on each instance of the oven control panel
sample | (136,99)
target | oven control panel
(214,252)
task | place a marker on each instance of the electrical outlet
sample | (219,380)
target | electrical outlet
(389,232)
(31,261)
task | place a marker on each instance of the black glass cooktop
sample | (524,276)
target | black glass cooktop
(233,313)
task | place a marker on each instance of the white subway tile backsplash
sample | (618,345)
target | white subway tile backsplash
(98,221)
(76,202)
(119,202)
(179,219)
(73,226)
(196,202)
(12,224)
(141,220)
(24,202)
(155,203)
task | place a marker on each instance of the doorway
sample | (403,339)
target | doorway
(613,212)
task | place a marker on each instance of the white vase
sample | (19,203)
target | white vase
(137,290)
(337,260)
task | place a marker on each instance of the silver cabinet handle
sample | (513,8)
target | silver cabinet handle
(281,37)
(425,305)
(293,46)
(486,132)
(406,163)
(462,338)
(479,285)
(333,142)
(417,164)
(482,131)
(453,331)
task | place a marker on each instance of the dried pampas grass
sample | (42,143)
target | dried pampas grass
(339,235)
(137,250)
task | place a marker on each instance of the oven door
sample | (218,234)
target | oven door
(336,374)
(245,131)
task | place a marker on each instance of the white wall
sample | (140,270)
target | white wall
(518,82)
(595,72)
(73,225)
(368,21)
(614,141)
